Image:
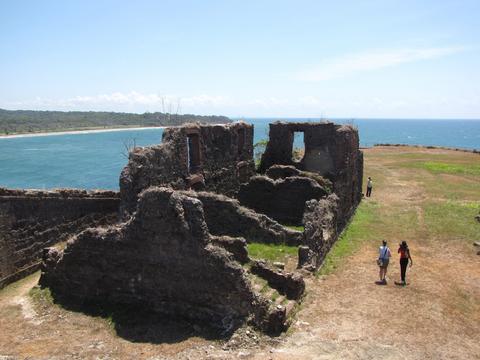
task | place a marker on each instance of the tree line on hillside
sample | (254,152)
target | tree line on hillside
(30,121)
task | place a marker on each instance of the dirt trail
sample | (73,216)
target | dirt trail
(348,316)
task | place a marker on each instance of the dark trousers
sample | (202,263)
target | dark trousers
(369,191)
(403,267)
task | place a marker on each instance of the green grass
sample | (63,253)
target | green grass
(462,189)
(362,228)
(275,296)
(453,220)
(271,252)
(449,168)
(296,228)
(40,295)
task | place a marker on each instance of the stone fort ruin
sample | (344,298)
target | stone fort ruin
(174,239)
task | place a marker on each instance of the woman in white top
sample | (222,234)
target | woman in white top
(383,260)
(369,186)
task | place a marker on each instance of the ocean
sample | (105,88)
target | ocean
(94,160)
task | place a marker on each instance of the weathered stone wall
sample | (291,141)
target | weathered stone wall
(31,220)
(225,216)
(164,259)
(319,141)
(322,222)
(331,151)
(283,199)
(219,158)
(349,176)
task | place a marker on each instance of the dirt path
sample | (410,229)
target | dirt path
(348,316)
(345,314)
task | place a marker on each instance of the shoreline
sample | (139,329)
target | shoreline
(435,147)
(75,132)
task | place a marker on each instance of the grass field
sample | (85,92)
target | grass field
(446,193)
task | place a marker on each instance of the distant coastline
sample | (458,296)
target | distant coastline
(79,131)
(31,122)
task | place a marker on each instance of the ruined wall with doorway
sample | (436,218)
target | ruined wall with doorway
(331,150)
(331,163)
(31,220)
(215,158)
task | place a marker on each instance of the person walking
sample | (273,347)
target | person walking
(369,186)
(383,260)
(405,256)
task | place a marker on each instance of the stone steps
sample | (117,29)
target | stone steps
(280,308)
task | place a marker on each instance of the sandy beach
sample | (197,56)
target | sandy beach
(74,132)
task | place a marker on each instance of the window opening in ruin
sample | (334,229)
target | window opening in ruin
(241,140)
(193,145)
(298,148)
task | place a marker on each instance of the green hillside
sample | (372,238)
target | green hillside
(29,121)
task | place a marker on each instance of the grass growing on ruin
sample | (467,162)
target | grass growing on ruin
(271,252)
(362,228)
(296,228)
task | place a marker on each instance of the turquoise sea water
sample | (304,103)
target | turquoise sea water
(94,161)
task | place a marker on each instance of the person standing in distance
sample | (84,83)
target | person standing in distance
(369,186)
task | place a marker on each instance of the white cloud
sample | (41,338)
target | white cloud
(346,65)
(315,105)
(133,99)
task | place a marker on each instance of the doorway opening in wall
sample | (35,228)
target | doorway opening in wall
(193,145)
(298,148)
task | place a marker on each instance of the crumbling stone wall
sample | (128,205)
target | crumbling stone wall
(31,220)
(322,222)
(331,151)
(164,259)
(282,199)
(225,216)
(215,158)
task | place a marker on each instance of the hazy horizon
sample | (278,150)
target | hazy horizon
(267,117)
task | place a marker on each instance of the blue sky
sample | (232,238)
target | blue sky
(362,58)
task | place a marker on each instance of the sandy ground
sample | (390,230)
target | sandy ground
(345,315)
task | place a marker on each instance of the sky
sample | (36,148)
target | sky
(329,59)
